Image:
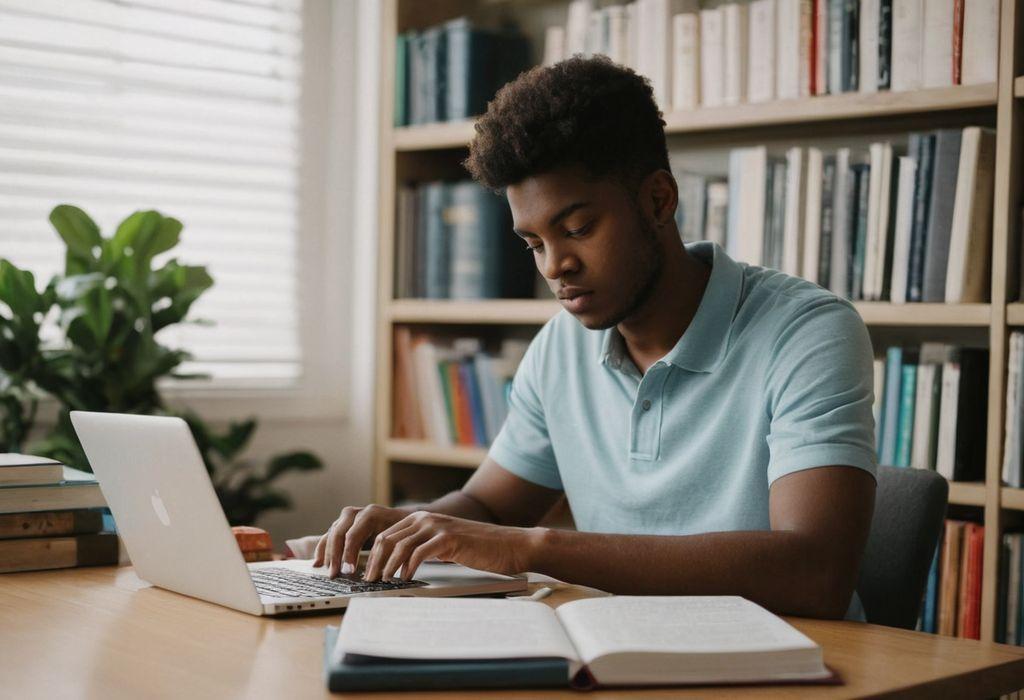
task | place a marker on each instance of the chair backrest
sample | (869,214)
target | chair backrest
(910,507)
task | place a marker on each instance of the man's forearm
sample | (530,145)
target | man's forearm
(786,572)
(458,504)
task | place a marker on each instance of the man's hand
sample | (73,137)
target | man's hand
(339,548)
(422,535)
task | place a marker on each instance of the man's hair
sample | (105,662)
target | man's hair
(586,112)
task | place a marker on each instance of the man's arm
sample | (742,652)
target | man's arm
(492,495)
(806,564)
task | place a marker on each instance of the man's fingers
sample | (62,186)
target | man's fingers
(318,553)
(401,552)
(336,540)
(383,545)
(431,548)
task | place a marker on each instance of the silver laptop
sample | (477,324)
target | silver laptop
(167,513)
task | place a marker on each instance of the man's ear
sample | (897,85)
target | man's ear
(659,197)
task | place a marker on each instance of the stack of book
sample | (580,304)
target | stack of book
(766,50)
(451,392)
(872,225)
(51,517)
(952,601)
(454,240)
(929,409)
(449,72)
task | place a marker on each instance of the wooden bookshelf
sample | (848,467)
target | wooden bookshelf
(426,151)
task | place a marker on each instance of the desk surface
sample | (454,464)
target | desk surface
(101,632)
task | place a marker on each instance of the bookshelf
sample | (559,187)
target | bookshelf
(434,150)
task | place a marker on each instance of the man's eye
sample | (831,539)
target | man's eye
(573,232)
(535,248)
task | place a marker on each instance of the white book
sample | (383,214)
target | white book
(926,405)
(429,392)
(576,26)
(806,39)
(871,238)
(867,53)
(937,44)
(735,22)
(595,34)
(554,45)
(712,58)
(746,237)
(633,30)
(945,453)
(657,47)
(1015,541)
(821,48)
(717,212)
(907,27)
(979,60)
(616,640)
(812,215)
(1011,440)
(884,229)
(618,34)
(686,64)
(901,229)
(878,389)
(793,224)
(840,259)
(970,240)
(787,50)
(761,44)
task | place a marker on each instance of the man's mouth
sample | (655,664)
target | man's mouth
(575,299)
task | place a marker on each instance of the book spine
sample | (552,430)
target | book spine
(851,46)
(50,523)
(958,39)
(931,594)
(919,231)
(828,178)
(476,408)
(884,44)
(893,375)
(867,49)
(836,48)
(908,390)
(940,214)
(44,553)
(860,226)
(949,579)
(451,410)
(805,49)
(712,58)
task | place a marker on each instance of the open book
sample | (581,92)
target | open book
(621,640)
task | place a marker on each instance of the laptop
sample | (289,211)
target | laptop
(167,513)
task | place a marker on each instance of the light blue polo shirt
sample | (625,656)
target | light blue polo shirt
(773,375)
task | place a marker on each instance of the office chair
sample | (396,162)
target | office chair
(910,507)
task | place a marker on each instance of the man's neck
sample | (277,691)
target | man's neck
(658,325)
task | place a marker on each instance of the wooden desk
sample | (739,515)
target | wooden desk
(102,633)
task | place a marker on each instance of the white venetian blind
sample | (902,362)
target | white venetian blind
(190,107)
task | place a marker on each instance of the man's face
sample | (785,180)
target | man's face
(591,242)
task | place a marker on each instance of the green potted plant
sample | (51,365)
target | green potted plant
(109,305)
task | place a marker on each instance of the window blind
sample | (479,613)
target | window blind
(190,107)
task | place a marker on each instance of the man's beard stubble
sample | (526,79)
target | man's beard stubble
(640,278)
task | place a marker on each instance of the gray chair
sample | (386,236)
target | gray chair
(910,507)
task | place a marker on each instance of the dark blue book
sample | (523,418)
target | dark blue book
(859,227)
(851,45)
(427,75)
(922,147)
(931,595)
(434,242)
(479,62)
(940,213)
(828,183)
(891,405)
(477,222)
(884,44)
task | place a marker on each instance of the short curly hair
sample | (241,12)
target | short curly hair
(587,112)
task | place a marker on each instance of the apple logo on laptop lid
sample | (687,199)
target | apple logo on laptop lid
(159,508)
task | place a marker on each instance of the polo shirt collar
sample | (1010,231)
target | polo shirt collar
(704,343)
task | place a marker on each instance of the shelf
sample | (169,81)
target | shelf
(1018,86)
(423,452)
(497,311)
(1012,498)
(877,313)
(1015,314)
(966,494)
(809,110)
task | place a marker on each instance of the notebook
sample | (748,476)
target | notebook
(421,643)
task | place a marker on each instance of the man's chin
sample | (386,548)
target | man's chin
(595,322)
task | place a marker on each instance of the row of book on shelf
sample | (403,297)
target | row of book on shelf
(451,391)
(871,225)
(52,517)
(930,409)
(764,50)
(952,599)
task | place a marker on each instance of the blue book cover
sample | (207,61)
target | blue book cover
(931,594)
(387,674)
(890,420)
(905,431)
(476,406)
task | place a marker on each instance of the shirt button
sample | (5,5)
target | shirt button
(646,405)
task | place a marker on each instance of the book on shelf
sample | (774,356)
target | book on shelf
(28,469)
(952,601)
(927,403)
(451,391)
(1012,447)
(439,643)
(453,240)
(761,50)
(1011,612)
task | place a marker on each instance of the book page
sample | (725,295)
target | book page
(450,629)
(675,624)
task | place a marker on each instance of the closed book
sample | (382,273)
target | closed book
(970,246)
(969,457)
(712,58)
(812,216)
(1017,455)
(905,429)
(735,34)
(859,224)
(686,61)
(887,194)
(821,50)
(839,275)
(467,380)
(406,412)
(901,230)
(406,242)
(931,594)
(76,490)
(926,405)
(391,643)
(479,61)
(577,21)
(805,49)
(958,40)
(42,553)
(434,242)
(761,51)
(787,57)
(716,214)
(28,469)
(980,59)
(937,44)
(793,220)
(868,49)
(691,207)
(1010,472)
(428,75)
(430,391)
(492,401)
(949,577)
(969,620)
(59,523)
(836,45)
(923,146)
(402,78)
(884,44)
(748,168)
(775,205)
(851,45)
(618,34)
(940,214)
(948,413)
(475,220)
(907,27)
(1013,542)
(891,404)
(828,181)
(459,413)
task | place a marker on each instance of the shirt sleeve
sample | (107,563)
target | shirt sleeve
(820,392)
(523,445)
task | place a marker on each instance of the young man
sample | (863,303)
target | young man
(709,422)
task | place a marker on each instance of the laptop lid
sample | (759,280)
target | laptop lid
(167,513)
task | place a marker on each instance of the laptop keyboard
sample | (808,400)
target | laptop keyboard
(277,582)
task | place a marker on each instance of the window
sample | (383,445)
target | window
(191,107)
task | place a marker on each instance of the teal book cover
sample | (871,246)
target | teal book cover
(905,434)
